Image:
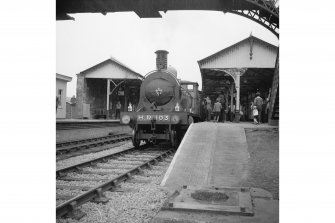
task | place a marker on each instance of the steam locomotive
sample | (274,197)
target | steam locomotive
(166,108)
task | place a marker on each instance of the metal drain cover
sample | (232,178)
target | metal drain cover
(226,200)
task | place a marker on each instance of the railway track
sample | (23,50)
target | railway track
(87,181)
(69,149)
(80,141)
(71,126)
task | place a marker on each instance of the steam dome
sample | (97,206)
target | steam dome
(172,70)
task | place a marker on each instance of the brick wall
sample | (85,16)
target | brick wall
(81,95)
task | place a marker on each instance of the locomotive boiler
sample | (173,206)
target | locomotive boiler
(166,108)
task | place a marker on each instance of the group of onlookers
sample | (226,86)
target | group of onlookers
(259,110)
(218,109)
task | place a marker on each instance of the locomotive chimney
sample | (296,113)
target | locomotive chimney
(161,59)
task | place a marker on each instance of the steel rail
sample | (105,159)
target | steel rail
(87,145)
(96,192)
(90,149)
(82,125)
(90,162)
(65,143)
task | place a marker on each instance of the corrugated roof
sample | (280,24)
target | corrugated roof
(216,80)
(234,45)
(115,61)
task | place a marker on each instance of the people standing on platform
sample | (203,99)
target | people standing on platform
(232,113)
(250,115)
(228,113)
(203,110)
(217,110)
(255,114)
(57,103)
(118,109)
(242,113)
(208,108)
(223,109)
(258,102)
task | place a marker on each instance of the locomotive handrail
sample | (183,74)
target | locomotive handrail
(149,73)
(164,71)
(139,109)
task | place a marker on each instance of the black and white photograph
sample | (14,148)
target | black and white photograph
(167,111)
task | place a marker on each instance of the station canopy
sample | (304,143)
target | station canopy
(114,70)
(254,58)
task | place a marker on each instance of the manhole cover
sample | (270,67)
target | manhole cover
(218,199)
(209,196)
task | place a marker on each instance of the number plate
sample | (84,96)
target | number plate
(158,118)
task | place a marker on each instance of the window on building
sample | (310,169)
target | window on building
(190,87)
(59,95)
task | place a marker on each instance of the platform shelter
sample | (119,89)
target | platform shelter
(100,87)
(237,73)
(61,86)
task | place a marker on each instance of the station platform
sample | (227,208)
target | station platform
(87,121)
(212,161)
(211,154)
(66,124)
(77,129)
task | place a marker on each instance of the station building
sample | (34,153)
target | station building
(70,107)
(100,87)
(61,85)
(237,72)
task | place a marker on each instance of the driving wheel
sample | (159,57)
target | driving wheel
(135,140)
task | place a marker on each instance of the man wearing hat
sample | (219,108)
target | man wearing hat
(209,108)
(258,102)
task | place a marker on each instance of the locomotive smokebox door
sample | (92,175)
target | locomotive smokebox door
(159,91)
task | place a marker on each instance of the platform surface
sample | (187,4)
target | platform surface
(87,121)
(210,154)
(214,155)
(78,134)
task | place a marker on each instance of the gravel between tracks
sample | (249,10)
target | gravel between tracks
(78,159)
(77,134)
(91,176)
(117,165)
(140,205)
(79,183)
(68,192)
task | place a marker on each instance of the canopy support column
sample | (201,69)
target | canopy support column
(237,107)
(231,101)
(125,97)
(236,74)
(108,90)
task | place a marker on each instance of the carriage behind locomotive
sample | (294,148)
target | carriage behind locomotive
(166,108)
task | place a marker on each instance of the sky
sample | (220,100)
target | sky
(189,36)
